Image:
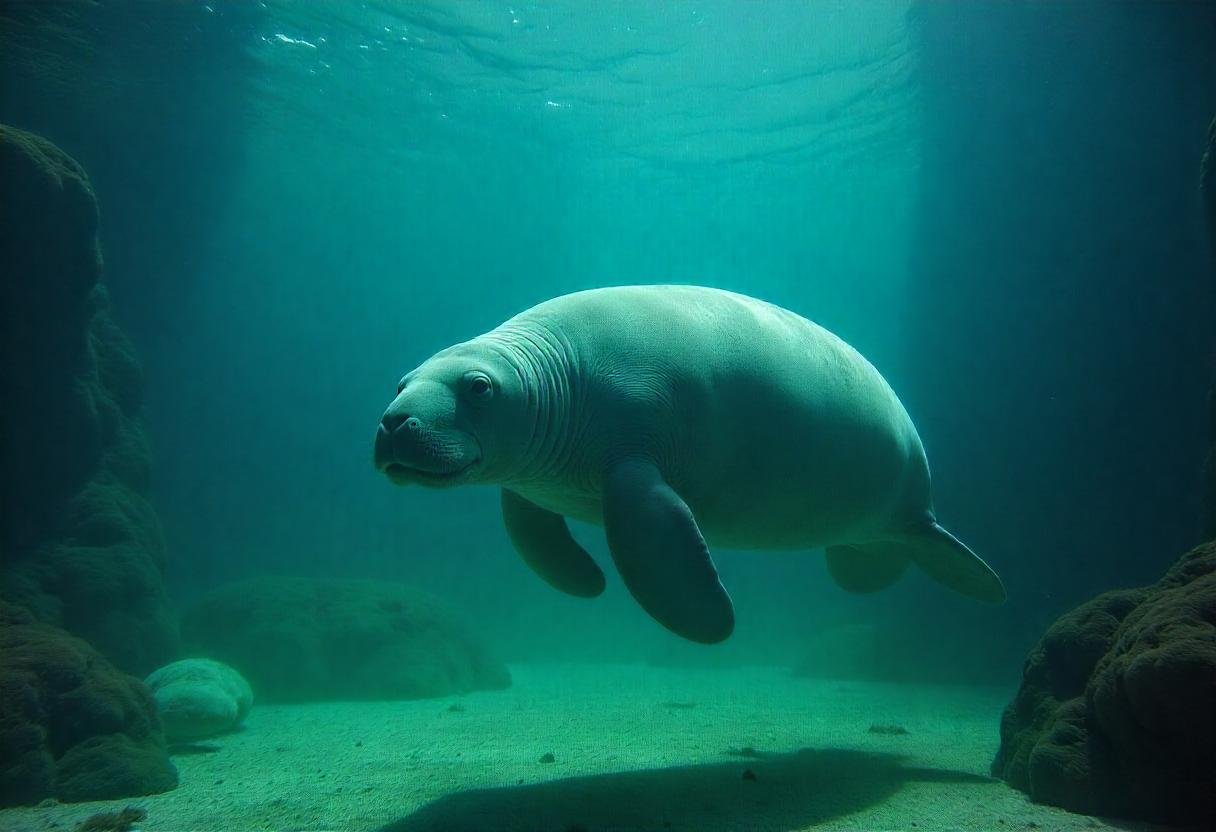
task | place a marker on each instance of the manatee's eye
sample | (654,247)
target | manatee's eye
(400,386)
(479,387)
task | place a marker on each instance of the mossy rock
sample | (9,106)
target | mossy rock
(300,639)
(72,726)
(80,545)
(1116,714)
(199,698)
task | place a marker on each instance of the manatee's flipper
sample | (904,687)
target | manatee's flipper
(661,554)
(543,540)
(949,562)
(867,567)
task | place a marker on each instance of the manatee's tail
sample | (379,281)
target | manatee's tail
(870,567)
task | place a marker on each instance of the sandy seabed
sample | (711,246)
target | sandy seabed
(632,747)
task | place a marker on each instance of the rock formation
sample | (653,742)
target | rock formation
(80,545)
(303,639)
(1116,714)
(72,727)
(199,698)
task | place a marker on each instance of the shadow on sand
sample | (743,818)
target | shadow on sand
(789,791)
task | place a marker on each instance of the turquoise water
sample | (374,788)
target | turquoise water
(997,204)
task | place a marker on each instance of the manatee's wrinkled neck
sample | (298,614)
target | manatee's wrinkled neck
(547,366)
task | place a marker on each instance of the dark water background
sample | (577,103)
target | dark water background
(996,202)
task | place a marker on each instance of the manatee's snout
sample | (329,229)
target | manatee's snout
(392,421)
(399,439)
(410,447)
(394,435)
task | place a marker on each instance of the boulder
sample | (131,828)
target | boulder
(199,698)
(301,639)
(1116,714)
(72,727)
(80,545)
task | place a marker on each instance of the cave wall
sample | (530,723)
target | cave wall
(1062,292)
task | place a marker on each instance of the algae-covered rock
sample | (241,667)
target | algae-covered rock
(199,698)
(80,545)
(72,727)
(1153,695)
(308,639)
(1116,714)
(52,262)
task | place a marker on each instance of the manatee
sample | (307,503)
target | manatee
(678,417)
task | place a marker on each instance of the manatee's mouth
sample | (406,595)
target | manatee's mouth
(402,474)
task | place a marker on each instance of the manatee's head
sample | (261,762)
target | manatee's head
(459,418)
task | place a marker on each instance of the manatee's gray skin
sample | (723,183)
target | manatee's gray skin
(677,416)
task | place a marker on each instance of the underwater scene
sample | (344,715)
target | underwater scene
(572,416)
